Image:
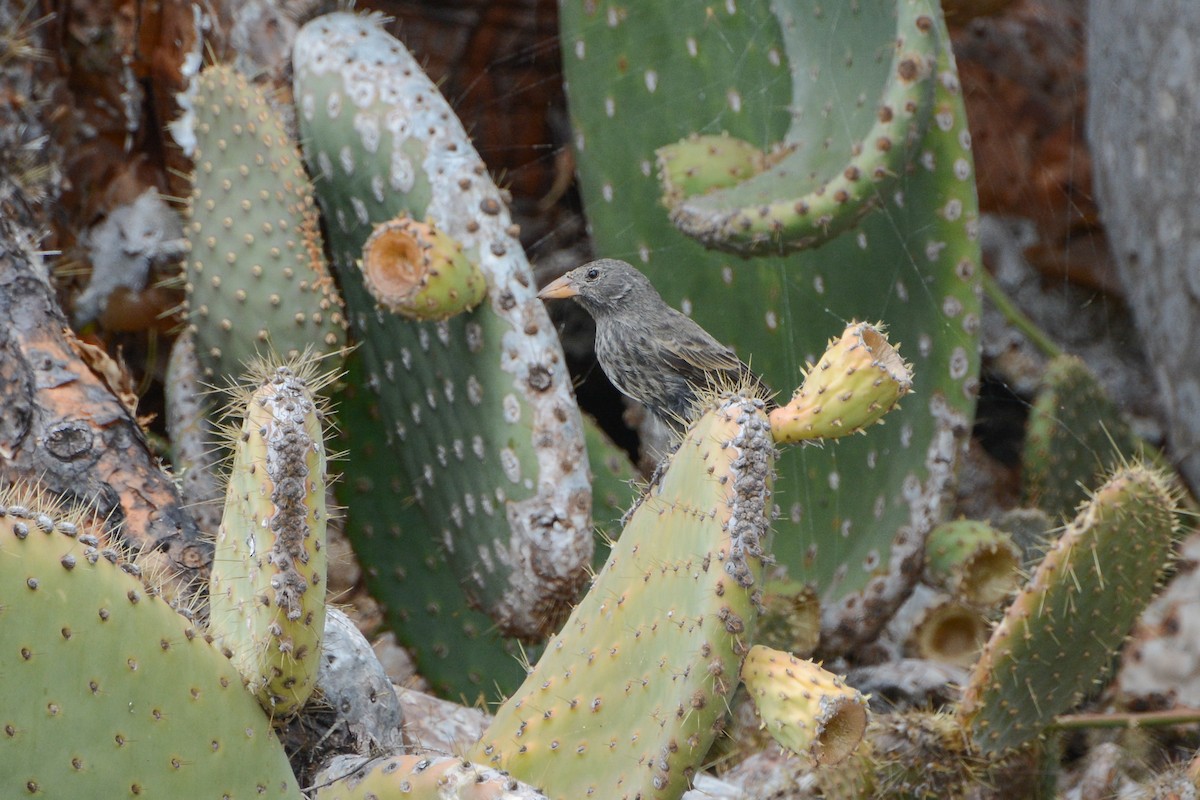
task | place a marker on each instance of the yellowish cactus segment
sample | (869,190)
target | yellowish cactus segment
(808,710)
(860,378)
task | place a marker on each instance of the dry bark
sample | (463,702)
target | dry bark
(64,428)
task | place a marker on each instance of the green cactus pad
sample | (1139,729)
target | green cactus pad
(854,515)
(416,270)
(1062,633)
(423,777)
(109,693)
(973,560)
(457,648)
(477,409)
(267,589)
(860,378)
(256,276)
(862,96)
(628,697)
(1074,434)
(807,709)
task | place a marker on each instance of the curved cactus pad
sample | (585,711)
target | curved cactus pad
(630,694)
(476,409)
(854,513)
(1062,633)
(107,691)
(862,92)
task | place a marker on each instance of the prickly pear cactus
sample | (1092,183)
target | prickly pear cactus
(476,409)
(640,77)
(107,691)
(630,694)
(973,561)
(1075,433)
(423,777)
(256,277)
(267,588)
(1061,634)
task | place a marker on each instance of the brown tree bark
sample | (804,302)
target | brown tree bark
(63,428)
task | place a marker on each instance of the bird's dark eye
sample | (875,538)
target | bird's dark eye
(592,274)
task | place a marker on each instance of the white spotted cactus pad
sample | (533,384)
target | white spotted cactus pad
(106,690)
(1061,635)
(478,408)
(424,777)
(256,277)
(855,120)
(860,378)
(627,698)
(807,709)
(854,513)
(267,588)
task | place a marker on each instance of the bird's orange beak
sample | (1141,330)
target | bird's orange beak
(563,287)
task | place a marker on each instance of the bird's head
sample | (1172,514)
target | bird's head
(603,286)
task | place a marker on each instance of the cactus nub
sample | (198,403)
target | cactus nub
(808,710)
(860,378)
(414,269)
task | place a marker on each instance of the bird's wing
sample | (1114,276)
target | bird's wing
(688,347)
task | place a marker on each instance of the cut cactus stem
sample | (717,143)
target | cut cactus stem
(973,561)
(420,272)
(860,378)
(807,709)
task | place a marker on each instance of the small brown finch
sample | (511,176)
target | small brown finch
(650,351)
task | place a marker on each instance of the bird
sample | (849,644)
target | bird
(650,352)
